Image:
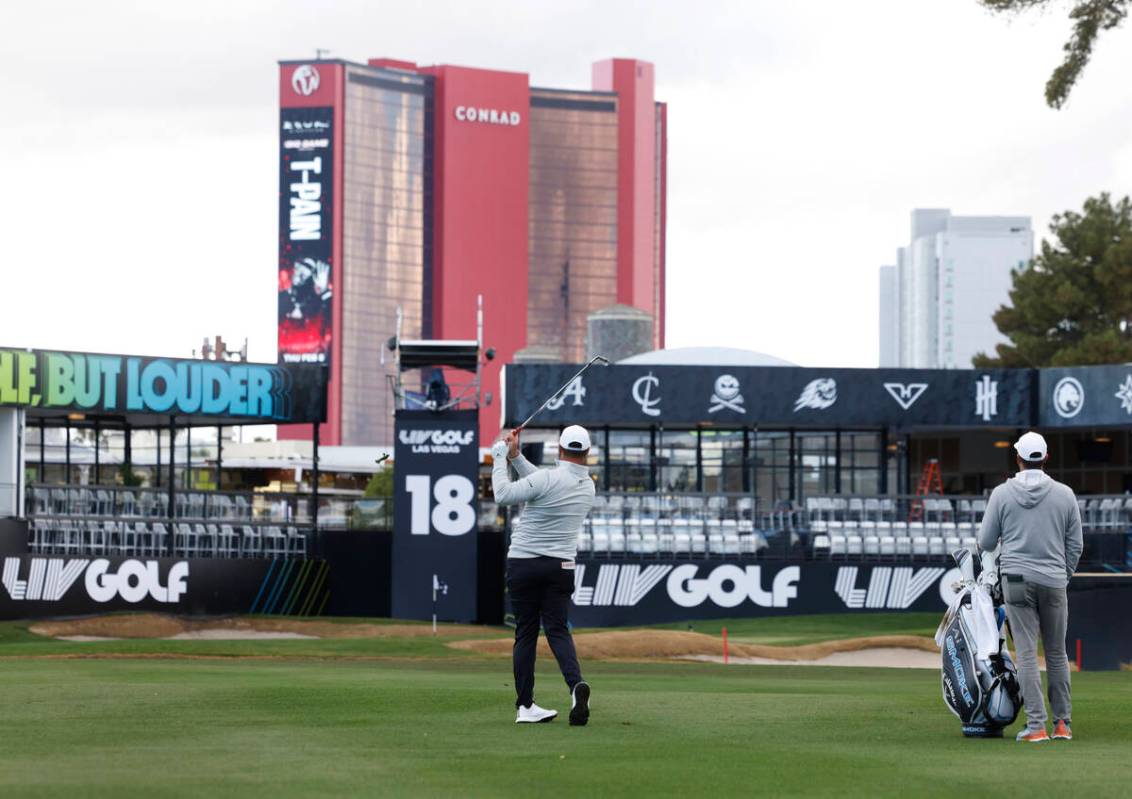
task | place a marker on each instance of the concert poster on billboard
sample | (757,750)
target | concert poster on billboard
(306,269)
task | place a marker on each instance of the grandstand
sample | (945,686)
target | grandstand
(112,520)
(692,526)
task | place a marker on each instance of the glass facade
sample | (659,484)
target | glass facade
(386,240)
(572,217)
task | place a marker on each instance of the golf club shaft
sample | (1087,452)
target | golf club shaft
(562,388)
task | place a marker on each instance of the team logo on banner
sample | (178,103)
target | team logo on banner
(727,395)
(642,394)
(986,398)
(818,394)
(1068,397)
(1124,394)
(905,394)
(575,390)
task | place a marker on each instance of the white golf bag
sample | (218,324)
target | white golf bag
(980,683)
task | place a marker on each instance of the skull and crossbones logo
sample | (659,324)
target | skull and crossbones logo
(727,395)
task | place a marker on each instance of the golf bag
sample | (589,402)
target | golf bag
(980,683)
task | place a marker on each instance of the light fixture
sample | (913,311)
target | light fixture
(1103,440)
(76,417)
(1002,445)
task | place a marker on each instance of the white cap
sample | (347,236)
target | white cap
(574,439)
(1031,447)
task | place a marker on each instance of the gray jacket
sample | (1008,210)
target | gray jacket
(1038,523)
(557,501)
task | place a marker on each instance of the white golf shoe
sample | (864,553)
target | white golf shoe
(533,714)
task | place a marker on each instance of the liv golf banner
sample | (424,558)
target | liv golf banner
(619,593)
(435,508)
(35,586)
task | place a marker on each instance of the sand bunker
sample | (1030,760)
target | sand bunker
(881,657)
(668,644)
(154,625)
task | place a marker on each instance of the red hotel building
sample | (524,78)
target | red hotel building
(421,187)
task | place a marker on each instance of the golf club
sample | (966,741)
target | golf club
(563,387)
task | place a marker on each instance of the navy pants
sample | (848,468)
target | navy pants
(540,591)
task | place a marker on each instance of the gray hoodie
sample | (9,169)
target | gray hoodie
(1038,523)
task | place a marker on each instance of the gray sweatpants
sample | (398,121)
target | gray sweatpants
(1046,610)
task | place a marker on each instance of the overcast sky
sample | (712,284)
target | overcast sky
(138,199)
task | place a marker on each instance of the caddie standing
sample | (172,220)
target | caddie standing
(540,562)
(1036,523)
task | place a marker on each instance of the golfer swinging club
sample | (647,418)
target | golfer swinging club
(1036,523)
(540,562)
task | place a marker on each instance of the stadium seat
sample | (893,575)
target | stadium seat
(903,546)
(228,542)
(854,545)
(275,542)
(820,545)
(296,542)
(871,545)
(887,546)
(920,546)
(952,543)
(838,545)
(937,546)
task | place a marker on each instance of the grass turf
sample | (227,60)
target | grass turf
(413,721)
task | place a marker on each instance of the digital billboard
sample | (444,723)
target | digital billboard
(306,266)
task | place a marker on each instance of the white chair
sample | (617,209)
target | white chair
(274,542)
(296,542)
(951,543)
(699,543)
(158,538)
(600,539)
(937,546)
(920,546)
(838,545)
(887,545)
(871,546)
(228,543)
(186,542)
(903,547)
(731,544)
(820,545)
(617,542)
(855,545)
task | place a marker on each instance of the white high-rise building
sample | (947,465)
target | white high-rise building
(936,304)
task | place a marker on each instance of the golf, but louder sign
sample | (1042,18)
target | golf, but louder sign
(435,509)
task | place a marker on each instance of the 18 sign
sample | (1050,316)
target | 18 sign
(452,513)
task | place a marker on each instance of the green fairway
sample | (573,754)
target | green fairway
(410,718)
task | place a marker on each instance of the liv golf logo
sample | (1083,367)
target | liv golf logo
(894,588)
(727,586)
(49,580)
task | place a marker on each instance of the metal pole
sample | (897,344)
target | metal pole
(128,447)
(67,443)
(188,470)
(314,477)
(172,484)
(97,461)
(157,462)
(219,457)
(42,448)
